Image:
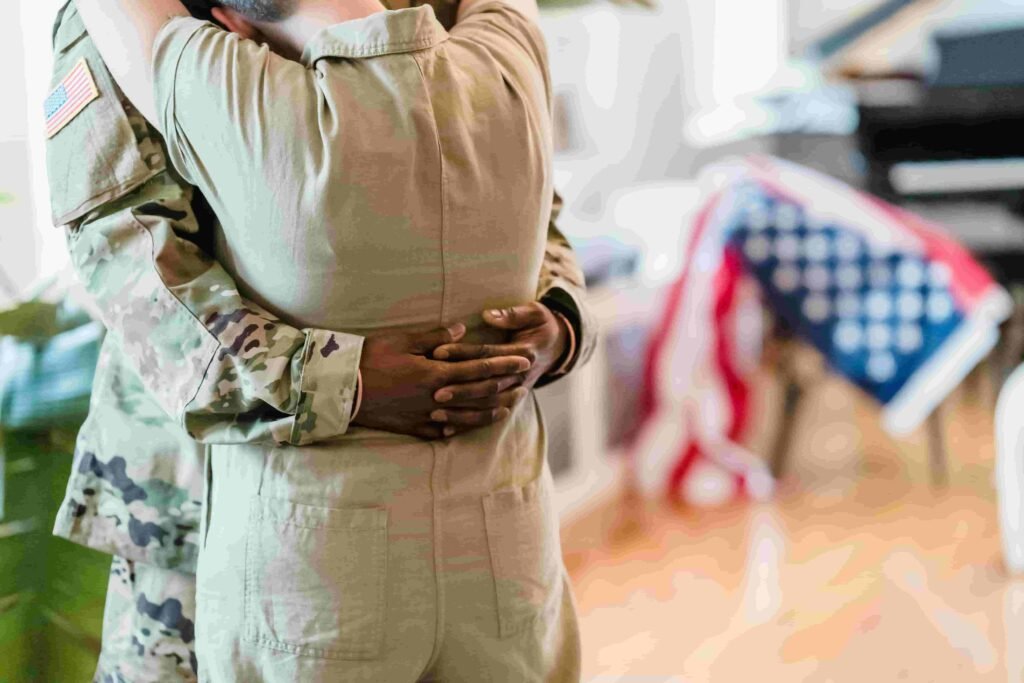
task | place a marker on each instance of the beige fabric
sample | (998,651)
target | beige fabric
(399,179)
(397,567)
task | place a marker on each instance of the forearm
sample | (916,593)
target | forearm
(223,367)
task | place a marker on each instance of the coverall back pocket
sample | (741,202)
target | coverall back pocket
(522,535)
(315,579)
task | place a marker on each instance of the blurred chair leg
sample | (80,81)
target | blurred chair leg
(792,396)
(973,383)
(1010,350)
(937,448)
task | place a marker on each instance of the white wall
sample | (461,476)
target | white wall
(731,49)
(30,247)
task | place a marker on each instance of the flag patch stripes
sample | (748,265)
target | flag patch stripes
(76,90)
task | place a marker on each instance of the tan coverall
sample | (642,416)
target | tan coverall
(398,179)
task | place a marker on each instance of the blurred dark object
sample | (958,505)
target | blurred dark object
(200,9)
(902,121)
(954,156)
(980,59)
(981,48)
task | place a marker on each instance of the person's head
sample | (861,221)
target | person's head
(263,11)
(283,25)
(248,18)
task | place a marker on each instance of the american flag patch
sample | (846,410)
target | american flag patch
(71,95)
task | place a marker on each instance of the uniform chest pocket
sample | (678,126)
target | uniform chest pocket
(98,147)
(522,535)
(315,579)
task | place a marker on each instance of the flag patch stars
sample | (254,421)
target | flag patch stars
(76,90)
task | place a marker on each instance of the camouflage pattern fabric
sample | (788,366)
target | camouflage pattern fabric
(135,488)
(185,353)
(148,626)
(222,367)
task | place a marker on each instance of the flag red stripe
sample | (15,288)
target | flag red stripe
(688,458)
(649,395)
(726,286)
(649,399)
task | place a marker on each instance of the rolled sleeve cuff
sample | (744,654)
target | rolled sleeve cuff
(328,385)
(560,297)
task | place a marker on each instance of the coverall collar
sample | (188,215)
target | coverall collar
(382,33)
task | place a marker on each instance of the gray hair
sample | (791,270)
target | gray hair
(262,10)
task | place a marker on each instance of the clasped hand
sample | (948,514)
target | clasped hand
(431,385)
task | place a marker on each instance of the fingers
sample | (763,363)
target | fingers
(485,394)
(532,314)
(461,419)
(485,368)
(455,352)
(425,342)
(451,420)
(455,420)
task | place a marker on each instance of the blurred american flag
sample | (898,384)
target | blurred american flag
(894,305)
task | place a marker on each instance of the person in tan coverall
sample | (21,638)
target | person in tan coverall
(493,161)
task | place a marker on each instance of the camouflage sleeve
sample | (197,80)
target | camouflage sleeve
(227,370)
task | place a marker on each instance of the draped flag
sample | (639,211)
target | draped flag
(894,305)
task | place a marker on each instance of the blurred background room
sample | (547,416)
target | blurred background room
(798,452)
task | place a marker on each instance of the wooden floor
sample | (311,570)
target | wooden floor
(859,571)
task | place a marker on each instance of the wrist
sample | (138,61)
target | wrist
(358,402)
(567,345)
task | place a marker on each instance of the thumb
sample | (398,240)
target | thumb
(533,314)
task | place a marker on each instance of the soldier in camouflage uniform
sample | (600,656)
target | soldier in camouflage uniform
(187,356)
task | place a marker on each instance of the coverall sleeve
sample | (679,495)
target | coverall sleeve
(226,369)
(561,285)
(562,288)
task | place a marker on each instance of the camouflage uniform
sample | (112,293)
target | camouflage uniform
(186,354)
